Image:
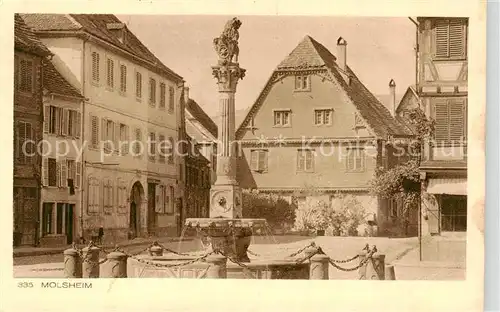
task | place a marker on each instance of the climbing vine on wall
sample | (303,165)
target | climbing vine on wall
(402,182)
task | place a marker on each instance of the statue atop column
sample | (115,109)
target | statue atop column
(226,45)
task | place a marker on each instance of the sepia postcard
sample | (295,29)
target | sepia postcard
(336,148)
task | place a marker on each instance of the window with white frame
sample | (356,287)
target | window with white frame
(61,121)
(152,91)
(123,78)
(108,134)
(57,172)
(302,83)
(258,160)
(110,69)
(282,118)
(323,117)
(95,67)
(355,159)
(305,160)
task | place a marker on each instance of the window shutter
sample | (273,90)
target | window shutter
(58,117)
(21,137)
(457,120)
(94,124)
(262,157)
(78,174)
(95,66)
(58,174)
(117,137)
(442,35)
(111,188)
(45,171)
(300,160)
(350,160)
(441,120)
(309,160)
(64,173)
(157,198)
(78,124)
(29,137)
(64,121)
(110,75)
(359,159)
(254,160)
(138,139)
(123,78)
(457,38)
(104,130)
(171,101)
(298,82)
(46,115)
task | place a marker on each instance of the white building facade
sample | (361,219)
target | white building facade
(130,179)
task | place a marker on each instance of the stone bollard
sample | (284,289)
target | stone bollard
(319,267)
(90,260)
(374,268)
(362,256)
(309,251)
(390,275)
(117,265)
(155,250)
(72,263)
(217,267)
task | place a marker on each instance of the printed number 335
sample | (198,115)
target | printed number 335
(25,284)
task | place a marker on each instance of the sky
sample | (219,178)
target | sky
(378,49)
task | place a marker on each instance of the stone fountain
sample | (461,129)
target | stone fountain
(228,231)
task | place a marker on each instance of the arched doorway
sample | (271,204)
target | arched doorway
(136,198)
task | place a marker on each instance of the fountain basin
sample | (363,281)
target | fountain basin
(229,236)
(257,269)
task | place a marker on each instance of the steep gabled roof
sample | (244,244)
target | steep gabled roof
(96,25)
(312,55)
(26,40)
(55,83)
(409,91)
(199,114)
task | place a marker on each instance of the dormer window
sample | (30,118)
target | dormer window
(302,83)
(118,29)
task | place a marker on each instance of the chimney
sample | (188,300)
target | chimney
(392,92)
(342,54)
(186,94)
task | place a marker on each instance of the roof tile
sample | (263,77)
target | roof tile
(25,39)
(54,82)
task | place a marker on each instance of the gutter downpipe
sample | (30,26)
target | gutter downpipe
(417,47)
(82,138)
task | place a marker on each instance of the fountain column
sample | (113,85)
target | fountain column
(225,195)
